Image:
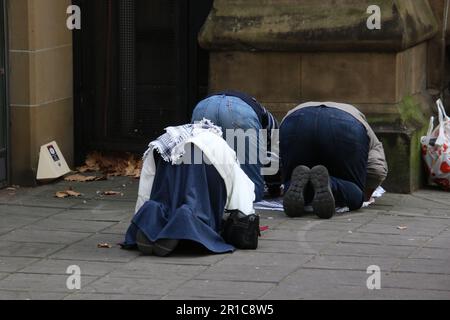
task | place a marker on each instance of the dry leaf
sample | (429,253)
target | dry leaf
(113,164)
(101,178)
(61,194)
(79,178)
(11,189)
(402,227)
(104,245)
(83,169)
(73,193)
(110,193)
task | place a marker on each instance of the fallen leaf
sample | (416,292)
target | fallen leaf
(110,193)
(402,227)
(61,194)
(101,178)
(73,193)
(264,228)
(79,178)
(83,169)
(11,189)
(104,245)
(113,164)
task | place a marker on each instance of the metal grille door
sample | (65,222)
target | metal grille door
(138,69)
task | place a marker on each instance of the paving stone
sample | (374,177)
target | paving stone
(272,215)
(43,236)
(361,216)
(112,297)
(87,250)
(368,250)
(40,282)
(246,273)
(117,228)
(409,201)
(442,242)
(296,225)
(133,286)
(24,249)
(70,225)
(234,290)
(103,215)
(432,253)
(433,213)
(142,267)
(88,268)
(419,222)
(424,266)
(304,235)
(351,262)
(416,281)
(30,202)
(320,284)
(271,223)
(385,239)
(294,247)
(13,264)
(393,229)
(105,204)
(125,195)
(29,295)
(299,291)
(405,294)
(9,223)
(27,212)
(259,259)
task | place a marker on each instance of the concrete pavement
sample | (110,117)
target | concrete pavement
(406,236)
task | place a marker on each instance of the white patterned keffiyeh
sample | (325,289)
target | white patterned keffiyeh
(167,144)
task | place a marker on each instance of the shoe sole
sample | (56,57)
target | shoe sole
(323,202)
(164,247)
(144,245)
(294,201)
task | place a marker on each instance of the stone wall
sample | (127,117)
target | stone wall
(40,55)
(301,50)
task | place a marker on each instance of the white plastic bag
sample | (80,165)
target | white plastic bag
(436,151)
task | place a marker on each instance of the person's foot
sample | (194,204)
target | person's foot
(294,199)
(323,202)
(164,247)
(144,244)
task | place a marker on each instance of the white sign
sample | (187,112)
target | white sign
(52,164)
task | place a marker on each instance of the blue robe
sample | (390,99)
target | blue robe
(187,203)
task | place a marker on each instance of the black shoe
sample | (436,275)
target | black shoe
(323,202)
(144,245)
(294,200)
(242,231)
(164,247)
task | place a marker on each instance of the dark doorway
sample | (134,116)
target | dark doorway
(138,69)
(3,101)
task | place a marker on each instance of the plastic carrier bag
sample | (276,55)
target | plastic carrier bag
(436,151)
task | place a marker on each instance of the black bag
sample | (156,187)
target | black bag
(242,231)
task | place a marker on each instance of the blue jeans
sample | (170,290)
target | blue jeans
(332,138)
(232,113)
